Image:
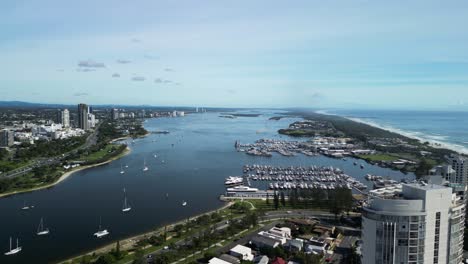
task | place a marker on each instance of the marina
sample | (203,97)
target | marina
(302,177)
(194,171)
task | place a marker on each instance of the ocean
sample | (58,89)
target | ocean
(447,128)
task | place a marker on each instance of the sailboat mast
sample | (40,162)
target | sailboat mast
(10,243)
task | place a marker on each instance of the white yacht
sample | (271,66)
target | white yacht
(126,206)
(231,180)
(101,232)
(26,207)
(14,251)
(145,168)
(41,230)
(242,188)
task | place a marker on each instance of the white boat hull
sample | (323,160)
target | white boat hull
(126,209)
(13,251)
(45,232)
(102,233)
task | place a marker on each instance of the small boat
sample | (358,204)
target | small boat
(14,251)
(155,156)
(362,166)
(184,203)
(101,232)
(26,207)
(121,170)
(126,207)
(126,166)
(145,168)
(355,163)
(41,230)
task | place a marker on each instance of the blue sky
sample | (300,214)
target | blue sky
(355,54)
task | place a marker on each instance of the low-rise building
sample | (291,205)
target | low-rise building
(6,138)
(217,261)
(261,241)
(261,260)
(242,252)
(230,259)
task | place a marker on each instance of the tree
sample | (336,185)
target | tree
(138,258)
(208,255)
(283,200)
(423,168)
(276,201)
(105,259)
(117,252)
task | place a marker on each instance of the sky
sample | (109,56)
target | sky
(317,54)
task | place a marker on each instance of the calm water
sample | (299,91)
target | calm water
(448,128)
(193,170)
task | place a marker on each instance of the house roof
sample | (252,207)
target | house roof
(230,259)
(218,261)
(265,240)
(261,260)
(243,250)
(278,261)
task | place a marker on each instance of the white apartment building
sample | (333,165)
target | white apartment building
(413,223)
(460,165)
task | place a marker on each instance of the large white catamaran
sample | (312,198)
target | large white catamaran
(101,232)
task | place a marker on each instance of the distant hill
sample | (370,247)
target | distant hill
(20,104)
(26,105)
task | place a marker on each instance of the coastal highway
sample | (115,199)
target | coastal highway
(90,141)
(269,216)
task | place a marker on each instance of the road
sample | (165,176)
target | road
(90,141)
(269,216)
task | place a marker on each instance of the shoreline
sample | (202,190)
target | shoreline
(432,143)
(125,241)
(67,174)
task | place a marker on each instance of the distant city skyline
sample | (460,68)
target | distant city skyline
(314,54)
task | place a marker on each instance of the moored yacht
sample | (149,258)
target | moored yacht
(231,180)
(41,230)
(14,251)
(126,206)
(101,232)
(242,188)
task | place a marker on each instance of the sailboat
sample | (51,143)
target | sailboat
(41,230)
(121,170)
(13,251)
(126,207)
(184,203)
(26,207)
(101,232)
(145,168)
